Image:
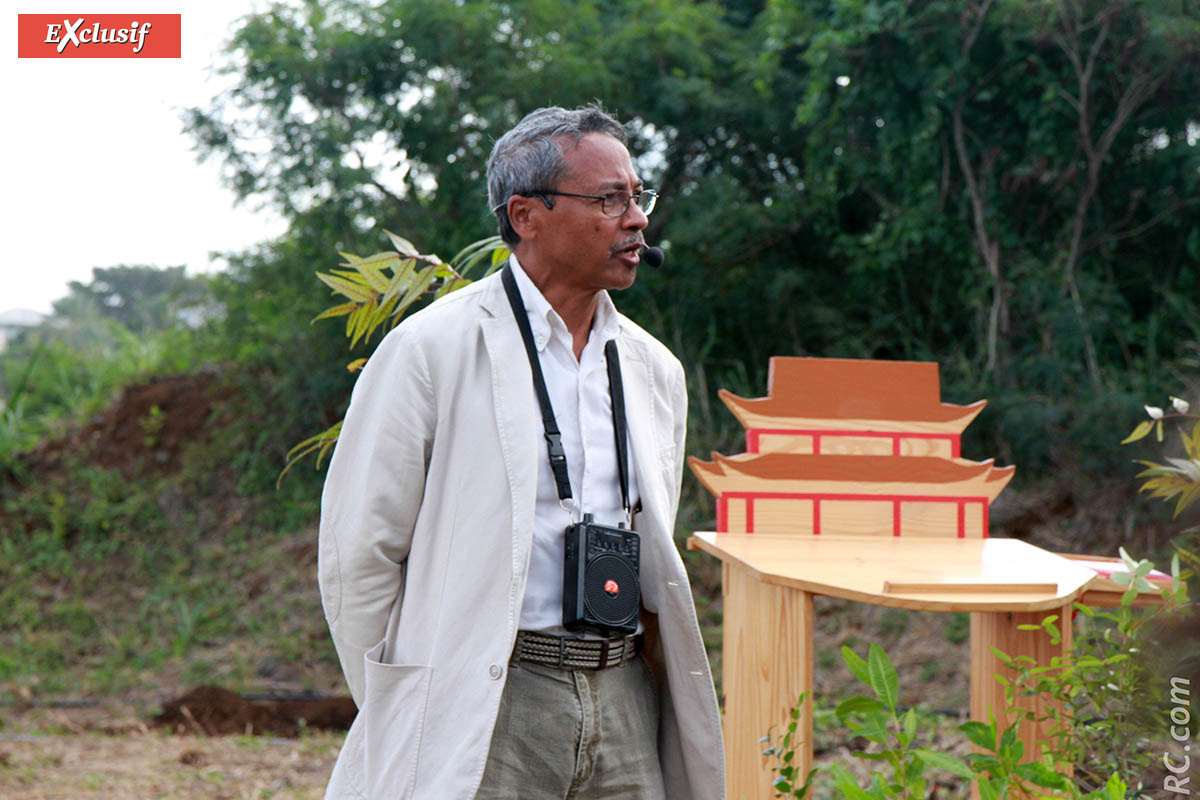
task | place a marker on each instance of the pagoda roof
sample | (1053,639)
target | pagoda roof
(859,474)
(808,389)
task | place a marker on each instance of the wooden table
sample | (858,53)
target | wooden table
(769,581)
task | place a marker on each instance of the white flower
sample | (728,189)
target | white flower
(1180,405)
(1155,412)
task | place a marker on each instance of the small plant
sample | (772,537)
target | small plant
(1103,692)
(786,773)
(879,720)
(152,426)
(1179,478)
(378,290)
(997,768)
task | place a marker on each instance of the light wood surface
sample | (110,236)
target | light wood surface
(856,568)
(770,579)
(1107,593)
(791,440)
(983,587)
(767,663)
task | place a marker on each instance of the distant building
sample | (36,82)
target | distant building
(16,321)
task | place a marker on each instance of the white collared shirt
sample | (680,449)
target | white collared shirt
(582,405)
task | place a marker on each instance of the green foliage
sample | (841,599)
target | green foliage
(1179,478)
(72,368)
(787,776)
(378,291)
(1017,203)
(1103,705)
(1106,697)
(188,551)
(880,721)
(142,299)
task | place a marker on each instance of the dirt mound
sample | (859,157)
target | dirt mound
(145,430)
(213,711)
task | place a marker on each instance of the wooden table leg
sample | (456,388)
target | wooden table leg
(767,663)
(1000,630)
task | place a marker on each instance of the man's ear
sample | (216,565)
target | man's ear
(524,215)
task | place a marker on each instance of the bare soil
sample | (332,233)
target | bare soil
(57,764)
(146,429)
(213,711)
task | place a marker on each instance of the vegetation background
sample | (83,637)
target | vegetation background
(1006,187)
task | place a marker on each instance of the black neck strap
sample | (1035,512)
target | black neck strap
(558,457)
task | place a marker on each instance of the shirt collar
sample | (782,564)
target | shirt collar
(545,322)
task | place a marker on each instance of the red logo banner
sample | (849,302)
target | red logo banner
(99,35)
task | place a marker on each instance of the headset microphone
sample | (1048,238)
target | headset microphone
(653,256)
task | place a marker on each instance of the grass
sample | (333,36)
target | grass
(108,588)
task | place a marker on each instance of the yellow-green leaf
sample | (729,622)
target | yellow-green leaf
(402,245)
(1140,432)
(424,278)
(374,276)
(356,365)
(352,275)
(347,288)
(336,311)
(363,323)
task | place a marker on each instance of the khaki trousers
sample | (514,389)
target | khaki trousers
(565,734)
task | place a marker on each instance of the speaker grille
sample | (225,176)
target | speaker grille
(606,607)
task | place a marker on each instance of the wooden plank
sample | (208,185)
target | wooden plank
(767,663)
(966,587)
(855,568)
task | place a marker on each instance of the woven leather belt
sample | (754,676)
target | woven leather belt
(571,652)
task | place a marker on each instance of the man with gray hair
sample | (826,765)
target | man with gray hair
(496,442)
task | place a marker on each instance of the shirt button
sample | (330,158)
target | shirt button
(494,672)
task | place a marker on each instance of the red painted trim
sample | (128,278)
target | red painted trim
(896,446)
(840,432)
(816,443)
(896,500)
(956,447)
(752,440)
(906,498)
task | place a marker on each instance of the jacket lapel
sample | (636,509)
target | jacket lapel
(639,407)
(516,417)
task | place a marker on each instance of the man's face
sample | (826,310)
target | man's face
(585,249)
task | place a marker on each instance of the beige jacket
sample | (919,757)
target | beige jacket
(426,529)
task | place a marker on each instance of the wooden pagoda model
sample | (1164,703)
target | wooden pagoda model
(837,451)
(850,447)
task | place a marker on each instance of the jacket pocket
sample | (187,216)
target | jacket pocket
(395,698)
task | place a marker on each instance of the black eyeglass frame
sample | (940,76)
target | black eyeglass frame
(603,198)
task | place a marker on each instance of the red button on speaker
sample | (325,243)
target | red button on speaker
(611,587)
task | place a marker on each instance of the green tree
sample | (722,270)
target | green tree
(1006,187)
(142,298)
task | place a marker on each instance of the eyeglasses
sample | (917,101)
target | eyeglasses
(612,204)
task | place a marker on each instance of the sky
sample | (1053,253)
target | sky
(96,168)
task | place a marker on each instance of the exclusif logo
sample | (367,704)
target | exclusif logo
(99,35)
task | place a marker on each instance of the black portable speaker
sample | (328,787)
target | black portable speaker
(601,590)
